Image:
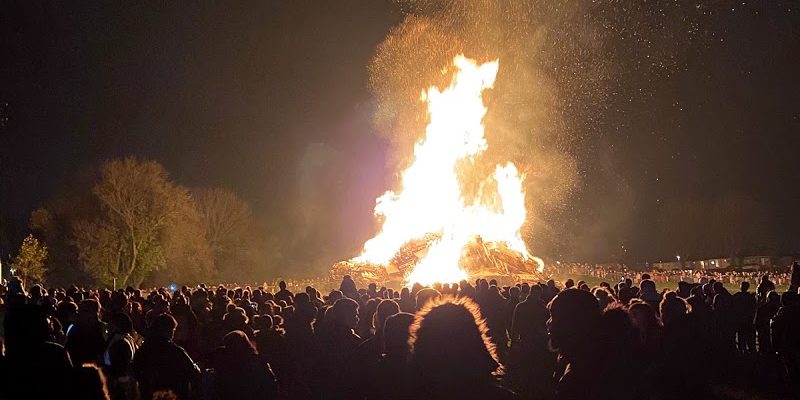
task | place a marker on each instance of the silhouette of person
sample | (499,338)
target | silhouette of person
(371,349)
(649,329)
(390,378)
(649,294)
(240,373)
(160,364)
(786,338)
(89,383)
(451,353)
(118,357)
(573,327)
(348,287)
(284,294)
(744,313)
(764,315)
(86,338)
(531,364)
(764,287)
(424,296)
(187,332)
(29,354)
(336,371)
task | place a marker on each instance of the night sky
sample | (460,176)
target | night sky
(272,99)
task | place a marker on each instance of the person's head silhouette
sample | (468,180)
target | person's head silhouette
(345,313)
(237,343)
(574,316)
(449,342)
(386,308)
(164,327)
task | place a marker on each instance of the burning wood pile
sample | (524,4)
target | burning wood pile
(480,260)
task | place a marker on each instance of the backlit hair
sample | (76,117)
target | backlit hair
(464,303)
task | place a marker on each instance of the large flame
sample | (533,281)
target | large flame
(431,200)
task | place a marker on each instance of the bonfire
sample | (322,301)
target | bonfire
(431,231)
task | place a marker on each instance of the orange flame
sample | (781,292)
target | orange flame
(431,200)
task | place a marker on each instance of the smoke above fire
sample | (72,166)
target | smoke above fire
(560,65)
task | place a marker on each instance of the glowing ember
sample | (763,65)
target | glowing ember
(431,200)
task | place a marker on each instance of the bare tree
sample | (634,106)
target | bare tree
(128,239)
(227,220)
(189,256)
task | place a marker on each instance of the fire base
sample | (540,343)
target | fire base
(487,260)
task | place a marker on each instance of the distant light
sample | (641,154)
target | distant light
(678,257)
(173,287)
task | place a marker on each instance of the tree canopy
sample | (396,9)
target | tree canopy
(29,263)
(130,224)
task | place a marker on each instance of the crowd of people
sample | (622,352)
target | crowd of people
(467,340)
(613,271)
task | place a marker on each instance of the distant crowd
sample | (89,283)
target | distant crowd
(614,271)
(621,339)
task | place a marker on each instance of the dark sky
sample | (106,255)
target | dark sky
(271,99)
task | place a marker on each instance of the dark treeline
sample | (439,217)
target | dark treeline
(128,223)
